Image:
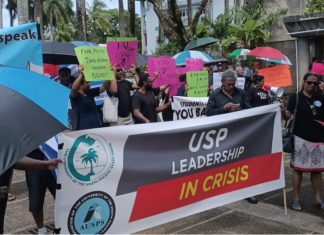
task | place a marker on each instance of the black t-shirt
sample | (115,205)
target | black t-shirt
(4,181)
(305,125)
(146,103)
(168,113)
(257,97)
(124,98)
(181,90)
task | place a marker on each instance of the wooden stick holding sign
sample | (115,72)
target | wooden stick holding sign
(95,62)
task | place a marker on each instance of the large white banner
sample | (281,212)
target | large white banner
(125,179)
(188,107)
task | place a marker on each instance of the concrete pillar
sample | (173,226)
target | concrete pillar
(23,11)
(143,26)
(303,59)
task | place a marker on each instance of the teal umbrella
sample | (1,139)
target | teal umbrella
(200,42)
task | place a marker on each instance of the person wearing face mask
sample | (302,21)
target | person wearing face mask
(82,99)
(145,106)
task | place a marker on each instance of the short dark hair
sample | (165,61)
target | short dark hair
(64,69)
(307,75)
(257,78)
(143,78)
(182,77)
(314,58)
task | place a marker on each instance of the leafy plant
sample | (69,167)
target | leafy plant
(314,6)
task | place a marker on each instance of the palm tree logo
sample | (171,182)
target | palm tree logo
(91,156)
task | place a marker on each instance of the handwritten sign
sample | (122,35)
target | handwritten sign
(122,39)
(197,83)
(173,89)
(318,68)
(217,80)
(151,65)
(95,62)
(182,70)
(194,64)
(122,53)
(166,68)
(276,76)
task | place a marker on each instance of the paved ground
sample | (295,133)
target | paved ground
(240,217)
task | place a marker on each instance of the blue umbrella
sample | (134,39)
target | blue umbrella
(33,109)
(181,57)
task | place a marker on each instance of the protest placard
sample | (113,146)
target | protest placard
(151,65)
(318,68)
(197,83)
(95,62)
(182,70)
(122,53)
(121,39)
(173,89)
(276,76)
(194,64)
(166,68)
(217,80)
(240,82)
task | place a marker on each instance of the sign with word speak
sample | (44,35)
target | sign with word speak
(122,53)
(115,182)
(188,107)
(166,68)
(194,64)
(95,62)
(276,76)
(197,83)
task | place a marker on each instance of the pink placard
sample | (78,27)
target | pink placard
(166,68)
(151,65)
(194,65)
(182,70)
(318,68)
(122,53)
(174,88)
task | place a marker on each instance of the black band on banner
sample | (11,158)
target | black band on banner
(60,146)
(57,231)
(58,186)
(172,99)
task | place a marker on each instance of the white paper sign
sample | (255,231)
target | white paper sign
(188,107)
(217,80)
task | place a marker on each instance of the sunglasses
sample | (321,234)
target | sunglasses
(310,83)
(119,70)
(232,84)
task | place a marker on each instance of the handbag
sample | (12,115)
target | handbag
(287,133)
(161,103)
(110,109)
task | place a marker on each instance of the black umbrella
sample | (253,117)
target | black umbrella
(218,58)
(59,53)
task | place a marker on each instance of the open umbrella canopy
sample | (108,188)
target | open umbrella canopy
(218,58)
(33,109)
(267,52)
(241,54)
(181,57)
(286,61)
(200,42)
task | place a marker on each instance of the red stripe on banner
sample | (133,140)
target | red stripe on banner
(172,194)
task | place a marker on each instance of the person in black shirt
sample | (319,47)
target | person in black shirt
(182,90)
(308,154)
(257,96)
(24,164)
(124,97)
(144,104)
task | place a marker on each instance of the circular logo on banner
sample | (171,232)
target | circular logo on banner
(89,160)
(93,213)
(318,103)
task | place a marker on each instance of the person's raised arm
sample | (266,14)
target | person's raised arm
(29,164)
(163,87)
(163,107)
(77,83)
(133,72)
(156,74)
(110,85)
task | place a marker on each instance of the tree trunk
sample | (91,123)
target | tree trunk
(51,32)
(207,11)
(1,21)
(121,19)
(131,18)
(189,3)
(38,14)
(226,4)
(195,20)
(23,11)
(81,19)
(161,33)
(11,18)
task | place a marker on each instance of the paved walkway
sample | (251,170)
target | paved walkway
(239,217)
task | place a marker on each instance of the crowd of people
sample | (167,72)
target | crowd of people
(139,102)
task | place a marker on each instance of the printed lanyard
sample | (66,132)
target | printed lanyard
(312,107)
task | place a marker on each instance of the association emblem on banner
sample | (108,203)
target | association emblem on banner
(93,213)
(89,160)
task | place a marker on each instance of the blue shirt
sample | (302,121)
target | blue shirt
(87,109)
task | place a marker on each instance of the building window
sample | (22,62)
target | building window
(157,28)
(183,13)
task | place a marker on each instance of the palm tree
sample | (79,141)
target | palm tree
(91,156)
(121,19)
(81,19)
(12,8)
(189,4)
(97,17)
(1,22)
(131,17)
(23,14)
(38,14)
(64,32)
(53,11)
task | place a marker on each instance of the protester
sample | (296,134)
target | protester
(25,164)
(182,90)
(82,99)
(167,114)
(64,76)
(220,67)
(246,70)
(123,93)
(258,96)
(11,196)
(247,84)
(307,155)
(144,104)
(146,69)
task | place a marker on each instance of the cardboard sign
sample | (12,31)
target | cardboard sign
(197,83)
(318,68)
(151,65)
(276,76)
(166,68)
(95,62)
(173,89)
(121,39)
(217,80)
(182,70)
(240,82)
(194,64)
(122,53)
